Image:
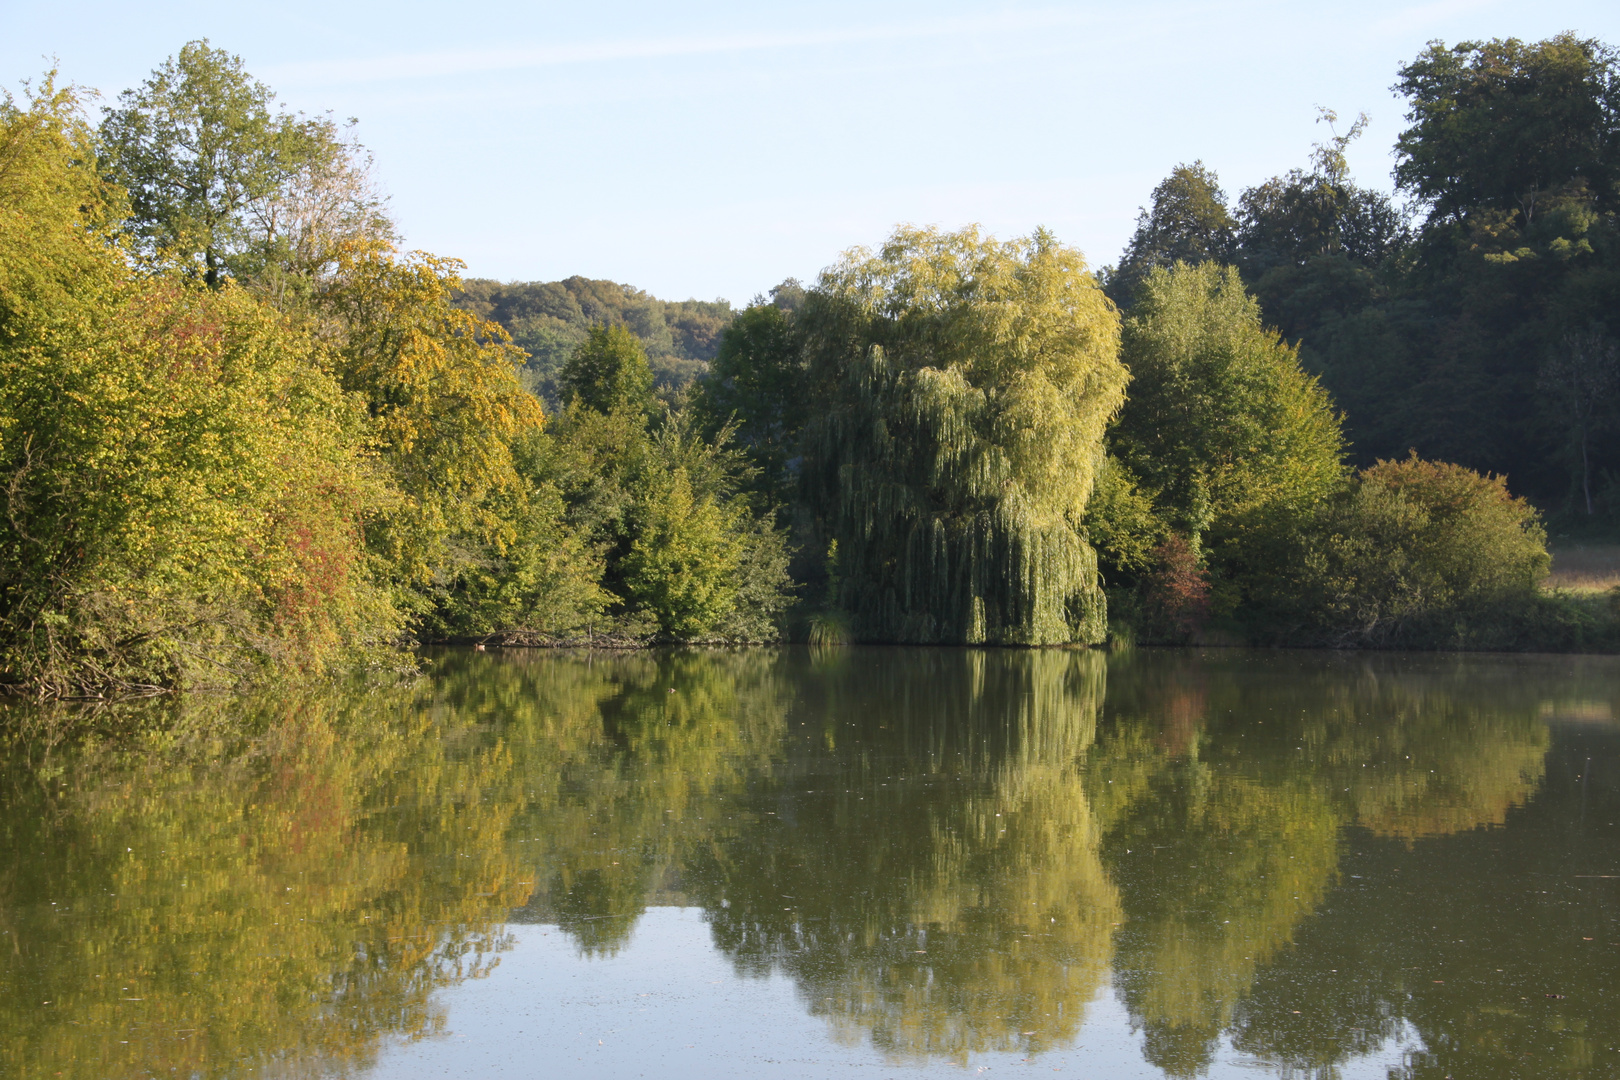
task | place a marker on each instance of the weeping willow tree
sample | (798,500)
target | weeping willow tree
(963,385)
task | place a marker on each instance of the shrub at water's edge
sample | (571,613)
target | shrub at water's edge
(1417,554)
(186,485)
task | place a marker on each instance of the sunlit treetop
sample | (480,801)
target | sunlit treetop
(964,384)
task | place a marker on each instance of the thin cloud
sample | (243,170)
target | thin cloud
(480,61)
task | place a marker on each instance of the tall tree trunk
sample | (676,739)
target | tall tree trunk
(1586,475)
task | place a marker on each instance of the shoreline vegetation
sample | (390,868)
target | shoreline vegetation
(245,436)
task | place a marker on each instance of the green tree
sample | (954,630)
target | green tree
(961,389)
(1500,124)
(1442,338)
(1189,223)
(1291,220)
(609,373)
(756,388)
(58,211)
(208,165)
(684,555)
(298,237)
(1324,257)
(1221,420)
(1511,149)
(726,560)
(682,562)
(1123,523)
(544,585)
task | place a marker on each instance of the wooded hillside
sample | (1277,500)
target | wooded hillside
(549,320)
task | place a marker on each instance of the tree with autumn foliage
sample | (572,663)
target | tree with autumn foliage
(186,485)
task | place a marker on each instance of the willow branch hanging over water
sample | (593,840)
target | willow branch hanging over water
(963,386)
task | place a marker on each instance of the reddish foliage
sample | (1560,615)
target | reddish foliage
(187,326)
(1178,590)
(321,530)
(1183,715)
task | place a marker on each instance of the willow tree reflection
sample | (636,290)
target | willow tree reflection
(247,887)
(924,861)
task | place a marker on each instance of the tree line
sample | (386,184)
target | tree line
(1475,320)
(243,433)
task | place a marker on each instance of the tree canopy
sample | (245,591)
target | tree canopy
(1189,223)
(608,373)
(1471,323)
(220,183)
(961,387)
(1221,420)
(1501,124)
(756,388)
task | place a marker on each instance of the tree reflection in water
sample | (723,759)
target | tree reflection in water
(935,881)
(948,851)
(206,895)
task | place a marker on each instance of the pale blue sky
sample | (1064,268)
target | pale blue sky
(713,149)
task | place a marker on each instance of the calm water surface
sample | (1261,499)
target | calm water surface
(863,862)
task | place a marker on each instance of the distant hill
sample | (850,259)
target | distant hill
(549,318)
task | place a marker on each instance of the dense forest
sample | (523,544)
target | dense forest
(243,433)
(1473,321)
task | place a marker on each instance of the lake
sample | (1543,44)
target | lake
(863,862)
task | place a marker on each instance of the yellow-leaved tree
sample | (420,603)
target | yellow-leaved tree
(183,483)
(475,542)
(961,387)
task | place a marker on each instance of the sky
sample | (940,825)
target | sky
(711,150)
